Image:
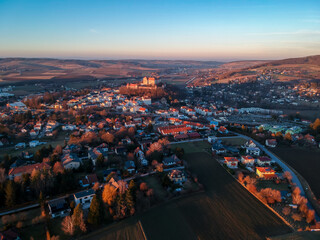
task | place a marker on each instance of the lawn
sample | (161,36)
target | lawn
(237,141)
(305,161)
(191,147)
(273,185)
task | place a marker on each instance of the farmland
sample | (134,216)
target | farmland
(224,211)
(306,162)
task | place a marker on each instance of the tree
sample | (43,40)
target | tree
(78,219)
(3,176)
(143,187)
(131,131)
(58,149)
(129,199)
(296,217)
(109,194)
(287,175)
(95,212)
(240,177)
(100,160)
(10,193)
(58,168)
(107,137)
(315,125)
(67,225)
(310,216)
(288,136)
(286,211)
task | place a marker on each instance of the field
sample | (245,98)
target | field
(298,236)
(126,230)
(304,161)
(225,211)
(237,141)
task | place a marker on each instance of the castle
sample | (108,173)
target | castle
(150,81)
(146,83)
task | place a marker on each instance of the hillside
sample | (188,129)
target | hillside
(18,69)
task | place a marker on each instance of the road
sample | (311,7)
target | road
(19,209)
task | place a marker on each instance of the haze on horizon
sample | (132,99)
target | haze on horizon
(201,30)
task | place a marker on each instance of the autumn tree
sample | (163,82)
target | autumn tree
(296,217)
(143,187)
(107,137)
(58,168)
(131,131)
(286,210)
(78,218)
(288,136)
(287,175)
(67,225)
(310,216)
(109,194)
(240,177)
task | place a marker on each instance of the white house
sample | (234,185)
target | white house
(84,198)
(253,151)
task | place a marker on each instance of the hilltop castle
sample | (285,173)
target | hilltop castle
(150,81)
(146,83)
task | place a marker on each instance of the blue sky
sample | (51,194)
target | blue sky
(189,29)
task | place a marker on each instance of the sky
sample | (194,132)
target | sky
(163,29)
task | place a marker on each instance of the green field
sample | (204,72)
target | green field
(304,161)
(224,211)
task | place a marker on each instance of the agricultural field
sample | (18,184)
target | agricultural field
(298,236)
(129,229)
(224,211)
(305,162)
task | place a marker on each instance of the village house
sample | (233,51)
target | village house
(71,161)
(266,173)
(84,198)
(247,160)
(231,162)
(177,176)
(58,208)
(253,151)
(130,166)
(179,129)
(88,180)
(263,161)
(171,161)
(271,143)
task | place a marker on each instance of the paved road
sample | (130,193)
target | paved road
(20,209)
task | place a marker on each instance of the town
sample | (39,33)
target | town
(79,158)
